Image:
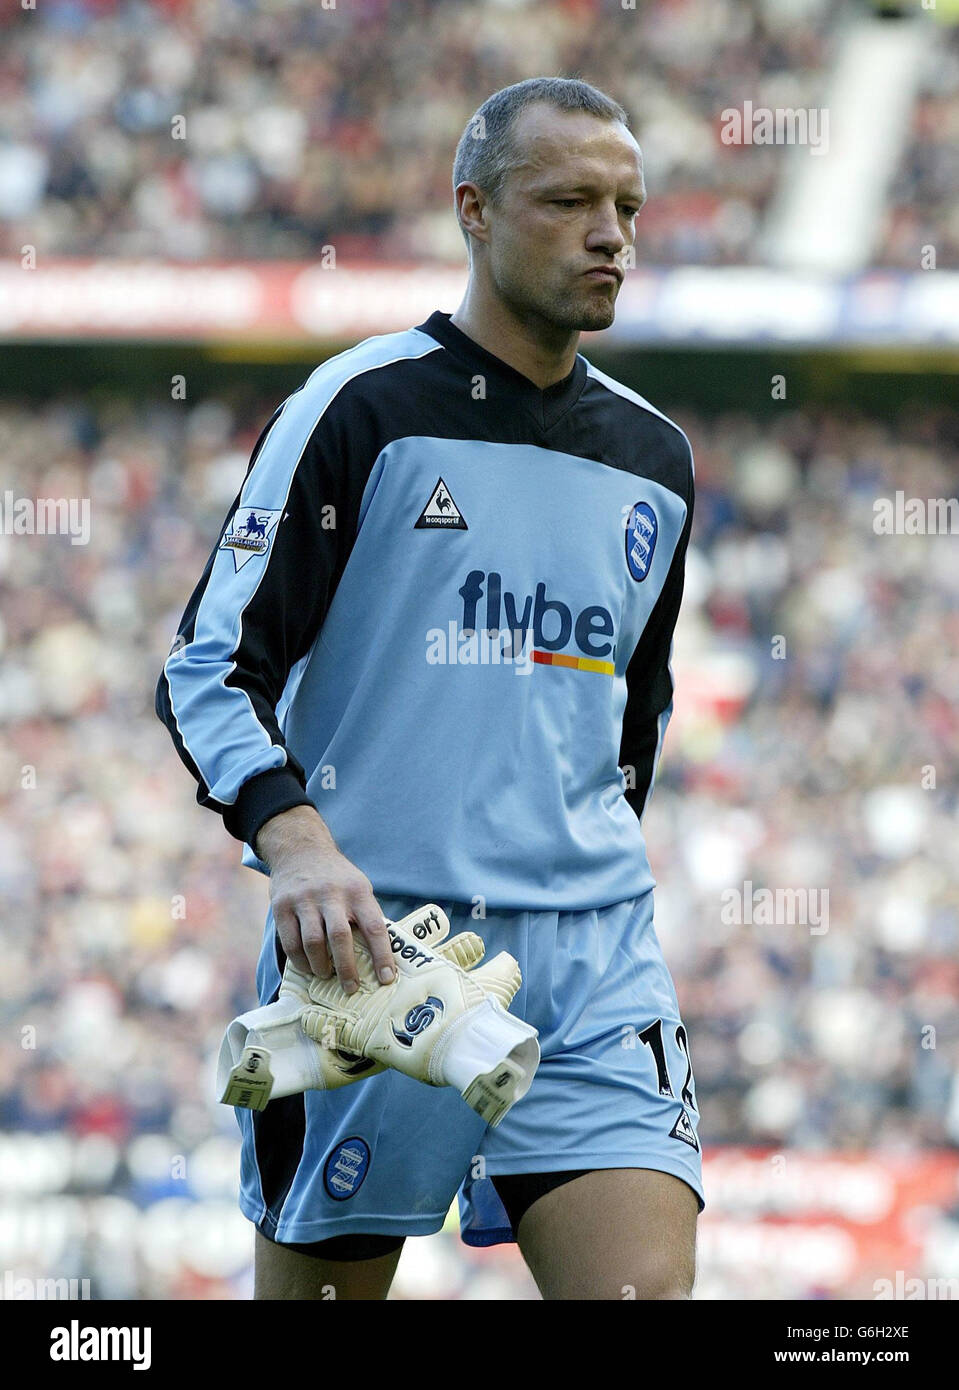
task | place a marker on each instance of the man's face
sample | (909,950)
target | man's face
(566,211)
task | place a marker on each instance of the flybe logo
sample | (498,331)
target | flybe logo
(507,620)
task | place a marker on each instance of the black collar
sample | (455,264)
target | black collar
(547,405)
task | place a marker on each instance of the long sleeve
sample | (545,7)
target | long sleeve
(649,680)
(255,613)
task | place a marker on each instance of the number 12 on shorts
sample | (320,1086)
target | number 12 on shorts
(652,1037)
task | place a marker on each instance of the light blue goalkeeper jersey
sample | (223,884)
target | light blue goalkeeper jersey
(441,611)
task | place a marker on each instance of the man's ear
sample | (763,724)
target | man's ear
(471,206)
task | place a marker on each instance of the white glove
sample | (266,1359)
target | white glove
(441,1021)
(317,1037)
(265,1054)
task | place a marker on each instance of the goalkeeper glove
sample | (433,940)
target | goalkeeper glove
(435,1022)
(265,1054)
(441,1021)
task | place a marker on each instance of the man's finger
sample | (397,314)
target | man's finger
(288,930)
(314,941)
(339,937)
(368,916)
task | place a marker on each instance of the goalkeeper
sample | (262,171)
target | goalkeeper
(428,662)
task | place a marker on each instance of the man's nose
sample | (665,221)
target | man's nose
(606,232)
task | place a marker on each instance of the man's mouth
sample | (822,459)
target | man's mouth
(605,272)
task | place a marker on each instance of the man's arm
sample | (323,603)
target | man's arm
(648,678)
(255,612)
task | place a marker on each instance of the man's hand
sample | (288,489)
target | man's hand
(318,896)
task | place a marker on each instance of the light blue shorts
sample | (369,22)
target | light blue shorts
(387,1155)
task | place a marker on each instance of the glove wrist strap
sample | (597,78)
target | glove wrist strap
(267,1053)
(490,1056)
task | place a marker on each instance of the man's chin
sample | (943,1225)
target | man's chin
(598,316)
(590,313)
(590,318)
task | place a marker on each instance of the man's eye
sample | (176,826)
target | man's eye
(567,202)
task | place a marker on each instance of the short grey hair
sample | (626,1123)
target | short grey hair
(486,151)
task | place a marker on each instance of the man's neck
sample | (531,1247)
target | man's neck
(545,359)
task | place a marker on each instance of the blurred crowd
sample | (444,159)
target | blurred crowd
(241,128)
(814,745)
(817,747)
(923,205)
